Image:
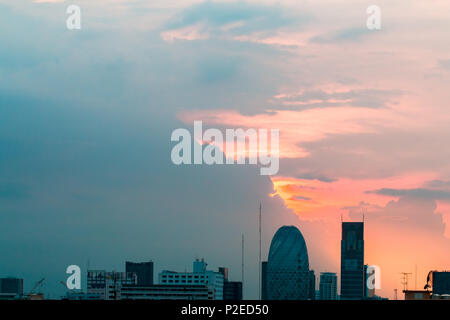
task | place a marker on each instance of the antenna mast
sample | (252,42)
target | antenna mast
(405,279)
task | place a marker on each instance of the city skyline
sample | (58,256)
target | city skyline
(281,277)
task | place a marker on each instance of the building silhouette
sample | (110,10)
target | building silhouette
(137,284)
(232,290)
(264,280)
(312,285)
(11,288)
(328,286)
(287,273)
(441,282)
(352,261)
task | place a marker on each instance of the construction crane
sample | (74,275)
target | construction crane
(30,295)
(36,285)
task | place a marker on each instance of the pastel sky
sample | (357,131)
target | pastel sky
(86,118)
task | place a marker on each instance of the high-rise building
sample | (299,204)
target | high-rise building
(232,290)
(143,271)
(288,274)
(264,280)
(328,286)
(224,271)
(352,261)
(441,282)
(12,287)
(199,276)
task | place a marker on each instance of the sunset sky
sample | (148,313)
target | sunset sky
(86,117)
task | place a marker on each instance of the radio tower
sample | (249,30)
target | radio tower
(259,265)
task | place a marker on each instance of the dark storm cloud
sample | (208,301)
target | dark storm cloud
(438,184)
(85,146)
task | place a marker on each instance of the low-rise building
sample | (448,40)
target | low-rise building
(200,277)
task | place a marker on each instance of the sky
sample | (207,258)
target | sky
(86,118)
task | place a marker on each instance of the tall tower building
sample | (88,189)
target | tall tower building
(328,286)
(352,261)
(287,271)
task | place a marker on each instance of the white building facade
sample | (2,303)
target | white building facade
(200,276)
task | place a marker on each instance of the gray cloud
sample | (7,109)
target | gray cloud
(416,193)
(350,34)
(315,176)
(219,14)
(300,198)
(406,213)
(390,152)
(445,64)
(438,184)
(85,153)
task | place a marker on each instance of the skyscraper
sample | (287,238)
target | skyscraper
(441,282)
(288,274)
(352,261)
(328,286)
(143,271)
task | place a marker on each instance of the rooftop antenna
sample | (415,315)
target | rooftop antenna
(415,279)
(405,279)
(242,265)
(259,264)
(363,211)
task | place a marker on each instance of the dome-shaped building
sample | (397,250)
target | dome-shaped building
(288,276)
